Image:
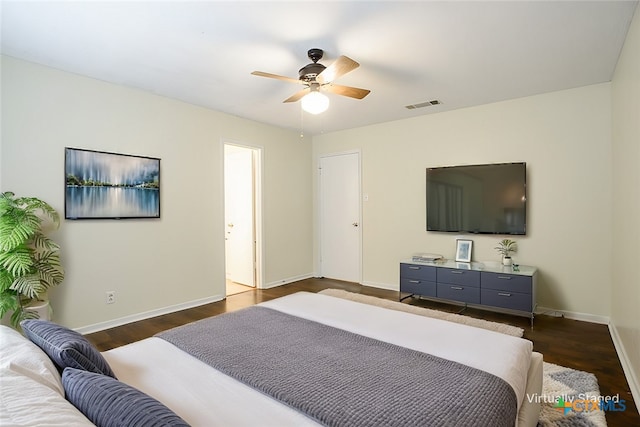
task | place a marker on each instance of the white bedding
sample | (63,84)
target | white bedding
(502,355)
(199,394)
(206,397)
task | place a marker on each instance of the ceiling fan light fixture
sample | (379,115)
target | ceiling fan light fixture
(315,102)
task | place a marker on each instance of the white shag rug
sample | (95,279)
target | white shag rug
(559,382)
(452,317)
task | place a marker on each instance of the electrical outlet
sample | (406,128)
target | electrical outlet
(111,297)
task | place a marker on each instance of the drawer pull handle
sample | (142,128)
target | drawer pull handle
(457,288)
(414,281)
(504,294)
(414,268)
(457,272)
(504,277)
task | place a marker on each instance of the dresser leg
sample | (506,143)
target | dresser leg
(404,298)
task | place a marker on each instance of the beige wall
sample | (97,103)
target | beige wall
(625,296)
(153,265)
(565,138)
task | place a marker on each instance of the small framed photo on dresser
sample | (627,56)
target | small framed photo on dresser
(463,250)
(463,265)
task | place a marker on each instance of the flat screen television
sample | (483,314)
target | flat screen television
(481,199)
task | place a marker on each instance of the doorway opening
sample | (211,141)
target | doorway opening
(242,218)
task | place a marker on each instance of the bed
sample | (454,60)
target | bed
(205,396)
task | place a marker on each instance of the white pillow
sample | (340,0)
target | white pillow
(25,402)
(21,356)
(32,392)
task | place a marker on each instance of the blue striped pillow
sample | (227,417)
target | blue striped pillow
(66,348)
(108,402)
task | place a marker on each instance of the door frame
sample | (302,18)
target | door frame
(319,208)
(258,159)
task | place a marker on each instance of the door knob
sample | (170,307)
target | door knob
(355,224)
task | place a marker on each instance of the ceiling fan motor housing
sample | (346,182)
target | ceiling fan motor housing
(309,72)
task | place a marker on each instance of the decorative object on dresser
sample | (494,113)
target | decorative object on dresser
(505,247)
(29,260)
(423,257)
(463,250)
(496,288)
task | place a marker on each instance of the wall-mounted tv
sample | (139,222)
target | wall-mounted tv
(481,199)
(101,185)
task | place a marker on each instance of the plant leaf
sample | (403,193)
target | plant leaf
(16,228)
(18,261)
(21,314)
(49,268)
(30,286)
(20,220)
(33,204)
(8,302)
(6,279)
(40,240)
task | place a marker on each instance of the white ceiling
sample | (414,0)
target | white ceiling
(202,52)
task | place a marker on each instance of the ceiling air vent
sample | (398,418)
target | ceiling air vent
(422,104)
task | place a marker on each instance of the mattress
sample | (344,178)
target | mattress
(205,397)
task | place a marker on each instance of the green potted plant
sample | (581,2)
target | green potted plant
(29,260)
(506,247)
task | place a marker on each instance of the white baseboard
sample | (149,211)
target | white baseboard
(629,373)
(96,327)
(287,280)
(387,286)
(585,317)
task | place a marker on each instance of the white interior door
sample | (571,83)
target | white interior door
(340,229)
(239,214)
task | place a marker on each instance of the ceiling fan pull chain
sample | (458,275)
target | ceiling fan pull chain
(301,123)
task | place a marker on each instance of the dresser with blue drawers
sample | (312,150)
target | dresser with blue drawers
(495,287)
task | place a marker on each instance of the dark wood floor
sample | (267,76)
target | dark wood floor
(578,345)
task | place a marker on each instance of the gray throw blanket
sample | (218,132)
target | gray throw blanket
(339,378)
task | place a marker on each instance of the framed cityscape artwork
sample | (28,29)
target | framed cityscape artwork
(101,185)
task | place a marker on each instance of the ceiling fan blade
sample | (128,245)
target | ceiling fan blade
(339,68)
(298,95)
(352,92)
(275,76)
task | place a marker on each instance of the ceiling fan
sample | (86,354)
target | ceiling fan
(315,76)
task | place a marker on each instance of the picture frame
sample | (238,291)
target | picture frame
(463,250)
(103,185)
(463,265)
